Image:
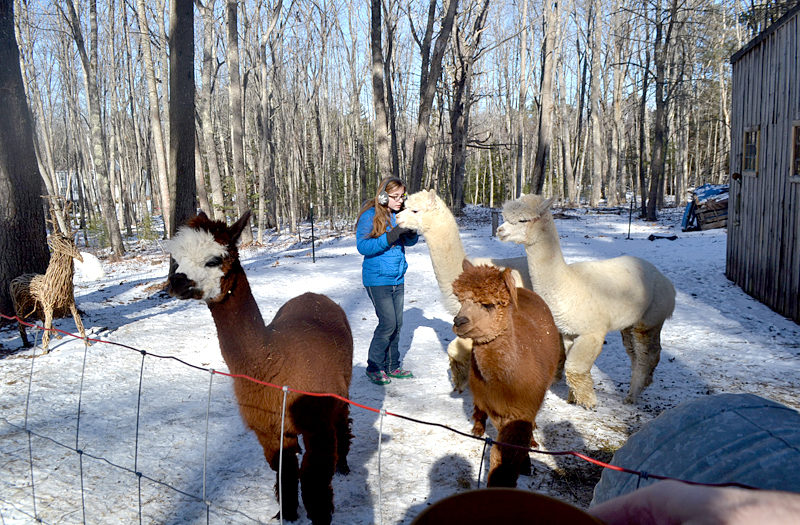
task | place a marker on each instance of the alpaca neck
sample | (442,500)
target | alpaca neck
(447,253)
(546,262)
(240,327)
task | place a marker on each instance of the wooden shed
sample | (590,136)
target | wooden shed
(763,252)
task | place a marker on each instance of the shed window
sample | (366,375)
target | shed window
(795,166)
(750,152)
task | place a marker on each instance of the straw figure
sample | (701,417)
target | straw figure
(49,296)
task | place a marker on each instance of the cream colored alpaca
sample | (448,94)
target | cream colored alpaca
(590,299)
(427,213)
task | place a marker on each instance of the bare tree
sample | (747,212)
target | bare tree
(89,60)
(545,132)
(22,233)
(598,146)
(206,114)
(181,111)
(380,82)
(158,144)
(236,116)
(430,70)
(466,44)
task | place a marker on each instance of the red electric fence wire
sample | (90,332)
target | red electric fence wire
(643,475)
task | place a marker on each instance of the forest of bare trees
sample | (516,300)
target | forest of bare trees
(301,102)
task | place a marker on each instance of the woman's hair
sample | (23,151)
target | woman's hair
(381,219)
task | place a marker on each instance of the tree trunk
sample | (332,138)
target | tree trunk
(465,56)
(519,165)
(206,118)
(378,92)
(95,122)
(21,212)
(598,146)
(157,146)
(545,135)
(236,118)
(430,71)
(181,111)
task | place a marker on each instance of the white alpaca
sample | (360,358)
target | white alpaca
(590,299)
(426,213)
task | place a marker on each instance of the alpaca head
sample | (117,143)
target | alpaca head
(524,218)
(204,253)
(64,245)
(422,210)
(486,294)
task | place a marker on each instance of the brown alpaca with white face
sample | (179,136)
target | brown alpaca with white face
(515,353)
(308,346)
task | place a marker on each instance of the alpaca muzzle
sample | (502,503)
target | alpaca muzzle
(180,286)
(460,321)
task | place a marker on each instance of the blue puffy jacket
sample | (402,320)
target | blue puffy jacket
(383,264)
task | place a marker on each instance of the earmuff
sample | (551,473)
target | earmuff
(383,196)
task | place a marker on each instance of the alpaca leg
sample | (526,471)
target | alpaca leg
(507,463)
(316,473)
(79,323)
(565,343)
(344,435)
(647,350)
(627,342)
(578,366)
(289,472)
(479,417)
(460,351)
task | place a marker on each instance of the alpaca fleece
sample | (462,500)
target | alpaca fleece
(428,214)
(515,353)
(308,346)
(589,299)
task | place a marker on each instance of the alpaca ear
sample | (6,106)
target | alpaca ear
(238,227)
(432,196)
(202,215)
(511,284)
(466,265)
(546,204)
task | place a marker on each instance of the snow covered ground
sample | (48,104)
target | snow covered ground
(719,340)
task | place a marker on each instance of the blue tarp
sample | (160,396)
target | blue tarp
(702,194)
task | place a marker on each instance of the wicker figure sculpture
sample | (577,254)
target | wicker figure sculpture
(49,296)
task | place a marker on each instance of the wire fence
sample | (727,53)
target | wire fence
(203,498)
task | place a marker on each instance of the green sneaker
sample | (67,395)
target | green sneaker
(399,373)
(379,377)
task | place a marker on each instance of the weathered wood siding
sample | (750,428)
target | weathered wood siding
(763,252)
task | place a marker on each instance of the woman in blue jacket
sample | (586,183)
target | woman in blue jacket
(382,243)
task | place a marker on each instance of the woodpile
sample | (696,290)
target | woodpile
(708,208)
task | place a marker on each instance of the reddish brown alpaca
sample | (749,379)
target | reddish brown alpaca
(308,346)
(515,353)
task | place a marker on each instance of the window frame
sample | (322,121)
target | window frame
(748,130)
(794,151)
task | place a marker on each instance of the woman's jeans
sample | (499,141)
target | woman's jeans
(383,350)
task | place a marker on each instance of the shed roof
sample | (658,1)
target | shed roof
(765,33)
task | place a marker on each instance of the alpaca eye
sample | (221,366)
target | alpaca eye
(524,220)
(216,261)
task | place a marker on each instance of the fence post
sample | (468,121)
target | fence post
(495,221)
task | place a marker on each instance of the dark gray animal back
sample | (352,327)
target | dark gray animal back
(723,438)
